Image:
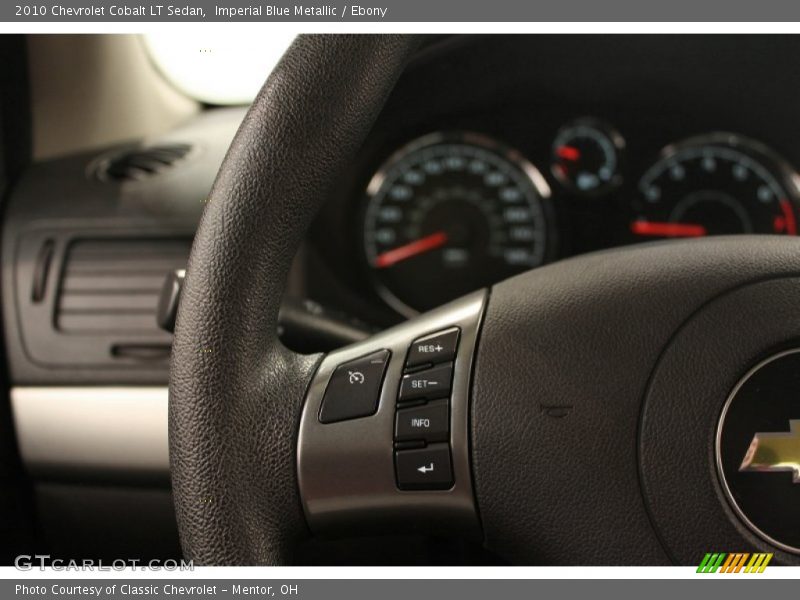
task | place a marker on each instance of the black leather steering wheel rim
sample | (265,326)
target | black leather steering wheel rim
(231,379)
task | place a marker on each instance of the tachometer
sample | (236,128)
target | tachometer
(716,184)
(450,213)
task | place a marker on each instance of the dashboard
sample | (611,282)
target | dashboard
(452,212)
(578,143)
(494,155)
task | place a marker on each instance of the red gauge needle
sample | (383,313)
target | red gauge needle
(786,223)
(666,229)
(425,244)
(570,153)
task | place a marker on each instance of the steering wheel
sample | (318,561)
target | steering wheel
(585,412)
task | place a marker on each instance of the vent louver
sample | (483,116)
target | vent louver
(112,286)
(141,163)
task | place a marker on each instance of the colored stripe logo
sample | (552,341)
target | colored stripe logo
(736,562)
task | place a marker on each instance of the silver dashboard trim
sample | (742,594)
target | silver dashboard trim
(100,432)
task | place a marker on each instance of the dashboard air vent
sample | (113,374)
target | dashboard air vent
(112,286)
(141,163)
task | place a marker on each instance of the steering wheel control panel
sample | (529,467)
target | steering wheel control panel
(384,430)
(422,420)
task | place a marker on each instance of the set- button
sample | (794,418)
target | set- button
(422,419)
(430,383)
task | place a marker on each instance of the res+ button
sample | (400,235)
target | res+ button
(435,348)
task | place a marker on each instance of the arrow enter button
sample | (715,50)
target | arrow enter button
(424,468)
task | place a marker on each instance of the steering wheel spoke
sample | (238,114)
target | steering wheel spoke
(384,437)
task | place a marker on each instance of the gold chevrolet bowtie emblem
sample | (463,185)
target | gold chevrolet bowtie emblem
(775,451)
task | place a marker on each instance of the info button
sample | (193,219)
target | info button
(429,422)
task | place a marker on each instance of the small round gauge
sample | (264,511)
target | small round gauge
(449,214)
(586,156)
(716,184)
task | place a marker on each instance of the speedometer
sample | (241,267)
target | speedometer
(451,213)
(716,184)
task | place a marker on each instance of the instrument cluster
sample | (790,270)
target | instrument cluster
(453,211)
